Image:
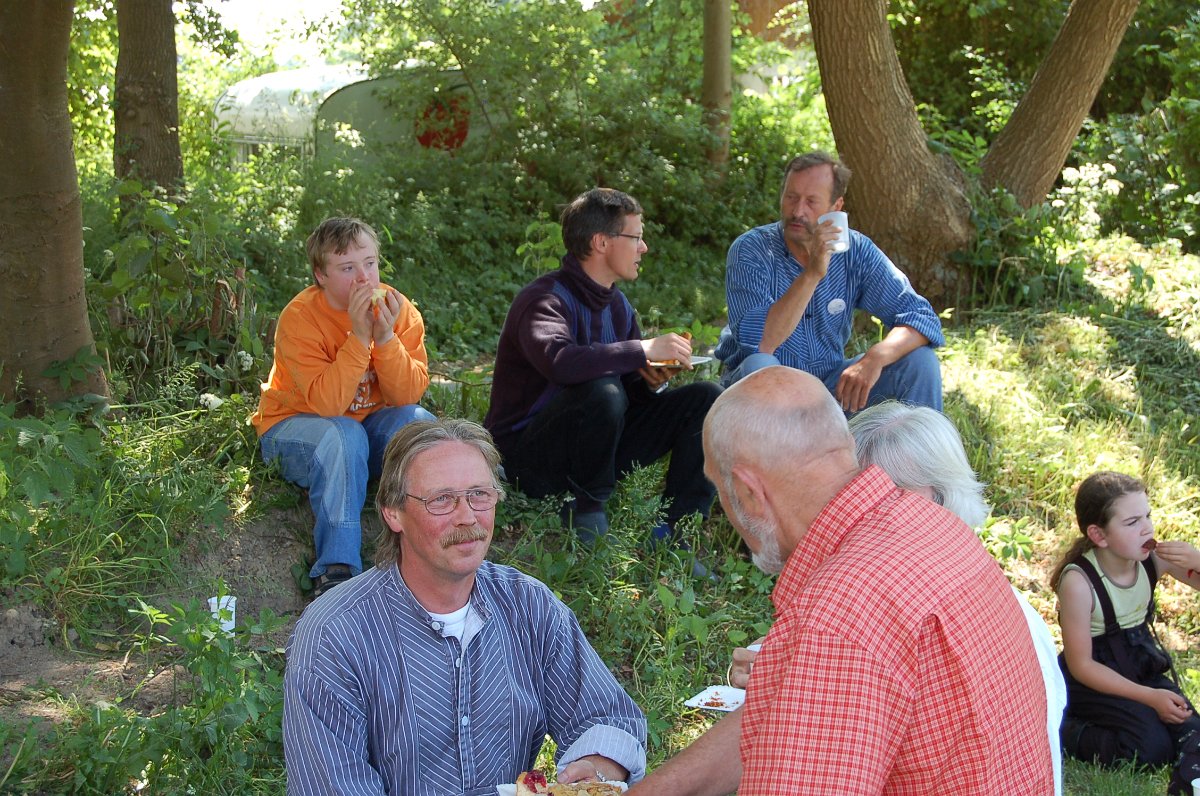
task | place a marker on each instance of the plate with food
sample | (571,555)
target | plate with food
(530,783)
(718,697)
(674,363)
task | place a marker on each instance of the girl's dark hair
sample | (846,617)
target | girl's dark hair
(1093,506)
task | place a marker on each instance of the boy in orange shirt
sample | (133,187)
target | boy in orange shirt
(350,366)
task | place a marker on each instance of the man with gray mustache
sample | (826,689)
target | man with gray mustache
(439,672)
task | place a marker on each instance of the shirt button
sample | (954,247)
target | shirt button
(464,721)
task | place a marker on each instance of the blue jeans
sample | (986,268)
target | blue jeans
(333,457)
(915,378)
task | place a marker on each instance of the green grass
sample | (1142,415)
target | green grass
(1110,377)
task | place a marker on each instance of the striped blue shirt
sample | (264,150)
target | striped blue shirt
(378,700)
(760,269)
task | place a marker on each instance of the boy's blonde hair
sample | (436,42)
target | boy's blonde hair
(335,236)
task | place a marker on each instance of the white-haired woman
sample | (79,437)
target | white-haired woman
(922,452)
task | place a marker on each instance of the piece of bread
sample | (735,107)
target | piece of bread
(377,294)
(675,362)
(532,783)
(586,789)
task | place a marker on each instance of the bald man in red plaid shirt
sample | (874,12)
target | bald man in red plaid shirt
(899,661)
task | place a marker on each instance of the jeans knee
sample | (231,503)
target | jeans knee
(754,362)
(701,395)
(344,439)
(603,400)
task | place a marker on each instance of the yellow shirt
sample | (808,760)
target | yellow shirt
(1129,602)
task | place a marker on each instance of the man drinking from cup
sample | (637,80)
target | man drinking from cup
(792,291)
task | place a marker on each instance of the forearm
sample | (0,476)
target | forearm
(896,344)
(711,766)
(785,315)
(403,374)
(1101,678)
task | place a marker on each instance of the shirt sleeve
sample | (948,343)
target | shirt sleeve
(325,740)
(546,339)
(887,294)
(326,379)
(588,712)
(748,288)
(402,365)
(833,724)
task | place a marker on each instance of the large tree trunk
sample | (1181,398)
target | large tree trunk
(761,13)
(146,110)
(1028,155)
(909,201)
(43,309)
(717,91)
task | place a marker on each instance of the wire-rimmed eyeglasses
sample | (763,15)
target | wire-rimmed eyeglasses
(479,498)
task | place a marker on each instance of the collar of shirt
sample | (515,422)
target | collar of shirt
(865,491)
(479,602)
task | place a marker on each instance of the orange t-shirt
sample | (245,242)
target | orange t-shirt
(321,368)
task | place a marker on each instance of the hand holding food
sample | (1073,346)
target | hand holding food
(688,337)
(532,783)
(1181,554)
(655,377)
(669,348)
(743,661)
(387,311)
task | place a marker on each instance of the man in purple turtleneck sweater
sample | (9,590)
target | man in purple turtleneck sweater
(575,401)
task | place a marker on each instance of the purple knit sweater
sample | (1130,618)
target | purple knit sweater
(563,328)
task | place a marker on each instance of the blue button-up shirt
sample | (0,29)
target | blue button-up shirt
(377,699)
(760,269)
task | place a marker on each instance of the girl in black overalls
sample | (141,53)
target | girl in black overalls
(1120,703)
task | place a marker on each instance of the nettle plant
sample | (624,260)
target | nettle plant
(168,290)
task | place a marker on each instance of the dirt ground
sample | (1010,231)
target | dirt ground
(43,665)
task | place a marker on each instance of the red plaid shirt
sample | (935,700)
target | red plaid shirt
(899,661)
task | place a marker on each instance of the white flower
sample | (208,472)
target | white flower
(245,361)
(210,401)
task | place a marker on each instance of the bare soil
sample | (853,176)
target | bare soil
(44,667)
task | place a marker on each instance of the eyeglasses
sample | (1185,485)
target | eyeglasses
(638,238)
(479,498)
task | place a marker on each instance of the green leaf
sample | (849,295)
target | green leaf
(666,597)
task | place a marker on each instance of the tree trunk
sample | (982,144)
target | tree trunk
(717,91)
(761,12)
(911,202)
(1028,155)
(146,107)
(43,309)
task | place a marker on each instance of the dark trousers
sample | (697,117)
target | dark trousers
(1109,729)
(590,434)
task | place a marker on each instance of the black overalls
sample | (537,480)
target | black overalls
(1110,729)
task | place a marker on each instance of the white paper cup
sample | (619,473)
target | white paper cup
(226,604)
(1196,787)
(838,219)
